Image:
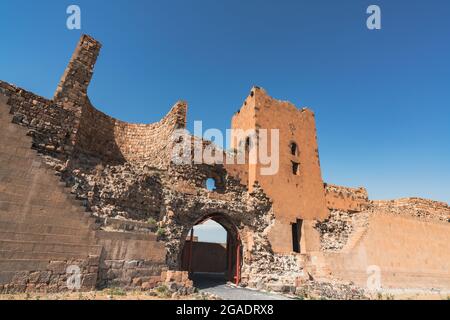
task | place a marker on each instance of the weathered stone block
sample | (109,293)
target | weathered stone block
(130,264)
(89,281)
(57,267)
(113,274)
(136,282)
(93,260)
(34,277)
(20,278)
(114,264)
(44,276)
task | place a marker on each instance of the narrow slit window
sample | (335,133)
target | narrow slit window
(295,168)
(294,149)
(247,144)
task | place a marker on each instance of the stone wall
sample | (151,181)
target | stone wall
(341,226)
(206,257)
(117,142)
(408,252)
(50,126)
(46,127)
(105,195)
(406,239)
(43,229)
(346,199)
(49,276)
(298,195)
(123,172)
(414,207)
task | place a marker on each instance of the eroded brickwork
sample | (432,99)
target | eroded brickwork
(414,207)
(343,224)
(50,126)
(346,199)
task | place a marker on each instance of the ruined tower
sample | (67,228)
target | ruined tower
(297,189)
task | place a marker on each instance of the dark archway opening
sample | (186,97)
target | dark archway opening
(213,262)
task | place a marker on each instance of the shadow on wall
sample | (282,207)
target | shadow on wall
(108,140)
(206,257)
(96,138)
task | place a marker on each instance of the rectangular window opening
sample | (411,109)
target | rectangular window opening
(296,235)
(295,168)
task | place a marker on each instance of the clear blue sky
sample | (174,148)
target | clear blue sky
(210,231)
(381,98)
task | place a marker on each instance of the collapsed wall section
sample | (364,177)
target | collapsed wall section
(108,140)
(51,127)
(345,198)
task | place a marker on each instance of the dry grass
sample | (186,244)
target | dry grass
(107,294)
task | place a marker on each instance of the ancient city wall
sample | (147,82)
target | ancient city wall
(43,229)
(121,210)
(206,257)
(50,126)
(130,259)
(423,209)
(115,141)
(346,199)
(409,252)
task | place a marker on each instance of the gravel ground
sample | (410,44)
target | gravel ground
(216,285)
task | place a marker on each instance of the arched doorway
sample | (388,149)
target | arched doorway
(218,261)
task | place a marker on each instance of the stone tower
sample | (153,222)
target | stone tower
(296,189)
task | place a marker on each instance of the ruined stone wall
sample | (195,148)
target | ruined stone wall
(207,257)
(121,173)
(176,200)
(71,92)
(50,126)
(407,239)
(126,191)
(409,252)
(346,199)
(414,207)
(43,230)
(101,137)
(142,205)
(336,230)
(114,141)
(130,259)
(344,226)
(43,227)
